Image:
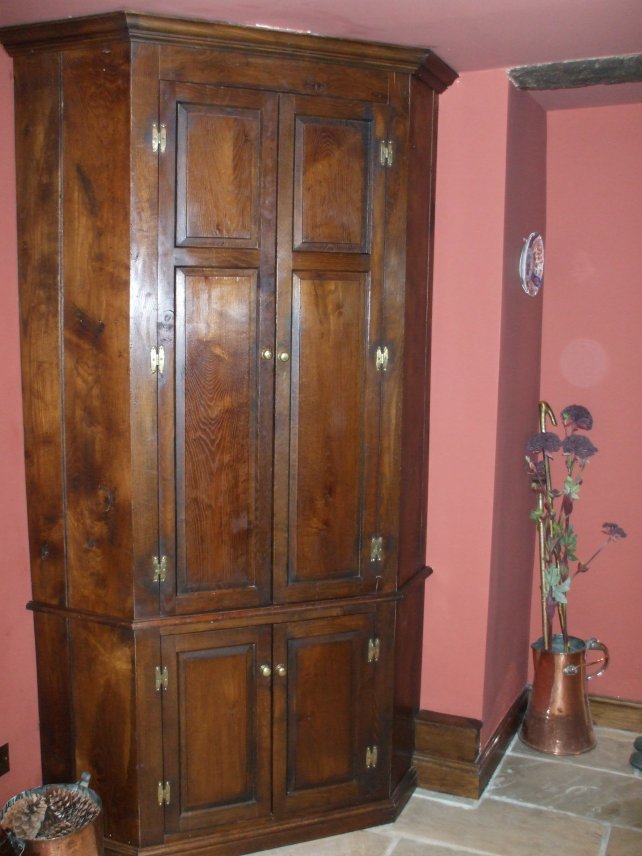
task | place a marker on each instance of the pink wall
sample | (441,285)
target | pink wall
(592,355)
(18,714)
(464,388)
(485,386)
(508,633)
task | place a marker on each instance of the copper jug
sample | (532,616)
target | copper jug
(558,718)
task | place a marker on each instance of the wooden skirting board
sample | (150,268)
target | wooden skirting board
(448,755)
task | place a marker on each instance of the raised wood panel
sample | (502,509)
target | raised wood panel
(216,431)
(323,712)
(218,174)
(332,183)
(216,717)
(332,506)
(219,171)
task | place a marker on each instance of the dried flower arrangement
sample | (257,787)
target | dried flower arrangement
(557,537)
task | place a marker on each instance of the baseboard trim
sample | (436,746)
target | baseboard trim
(447,754)
(616,713)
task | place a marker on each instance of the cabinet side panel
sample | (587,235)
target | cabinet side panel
(416,379)
(37,86)
(56,721)
(103,709)
(408,645)
(96,215)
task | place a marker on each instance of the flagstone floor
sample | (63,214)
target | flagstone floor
(535,805)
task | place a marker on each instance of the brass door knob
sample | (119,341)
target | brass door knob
(265,670)
(284,356)
(281,670)
(267,354)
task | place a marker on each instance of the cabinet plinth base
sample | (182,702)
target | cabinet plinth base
(249,839)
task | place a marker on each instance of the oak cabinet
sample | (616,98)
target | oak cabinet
(224,256)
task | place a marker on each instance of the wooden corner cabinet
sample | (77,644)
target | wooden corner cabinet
(224,254)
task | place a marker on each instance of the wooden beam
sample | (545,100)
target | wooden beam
(574,74)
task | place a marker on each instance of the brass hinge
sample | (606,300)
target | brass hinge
(372,753)
(157,359)
(160,569)
(162,678)
(159,138)
(374,649)
(376,548)
(386,156)
(164,794)
(381,359)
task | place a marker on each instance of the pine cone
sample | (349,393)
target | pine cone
(67,811)
(55,828)
(24,818)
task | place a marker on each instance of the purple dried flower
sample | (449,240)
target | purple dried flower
(575,416)
(579,446)
(544,441)
(613,531)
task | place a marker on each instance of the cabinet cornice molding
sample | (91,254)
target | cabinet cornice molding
(29,38)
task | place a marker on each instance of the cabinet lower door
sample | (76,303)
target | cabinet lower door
(216,727)
(323,714)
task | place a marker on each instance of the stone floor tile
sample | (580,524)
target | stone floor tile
(594,794)
(362,843)
(624,842)
(612,752)
(499,828)
(406,847)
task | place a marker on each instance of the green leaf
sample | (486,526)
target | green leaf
(558,592)
(571,488)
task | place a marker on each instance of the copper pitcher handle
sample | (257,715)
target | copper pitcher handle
(596,645)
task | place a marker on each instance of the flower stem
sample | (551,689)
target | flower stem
(544,527)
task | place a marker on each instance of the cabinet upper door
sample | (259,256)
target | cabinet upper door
(216,318)
(329,314)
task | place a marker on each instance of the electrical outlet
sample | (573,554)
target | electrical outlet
(4,759)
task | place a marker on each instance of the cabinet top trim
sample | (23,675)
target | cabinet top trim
(130,26)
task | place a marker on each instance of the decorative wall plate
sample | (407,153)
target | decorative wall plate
(531,264)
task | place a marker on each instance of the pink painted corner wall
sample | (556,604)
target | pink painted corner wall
(466,321)
(592,355)
(491,166)
(508,632)
(18,706)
